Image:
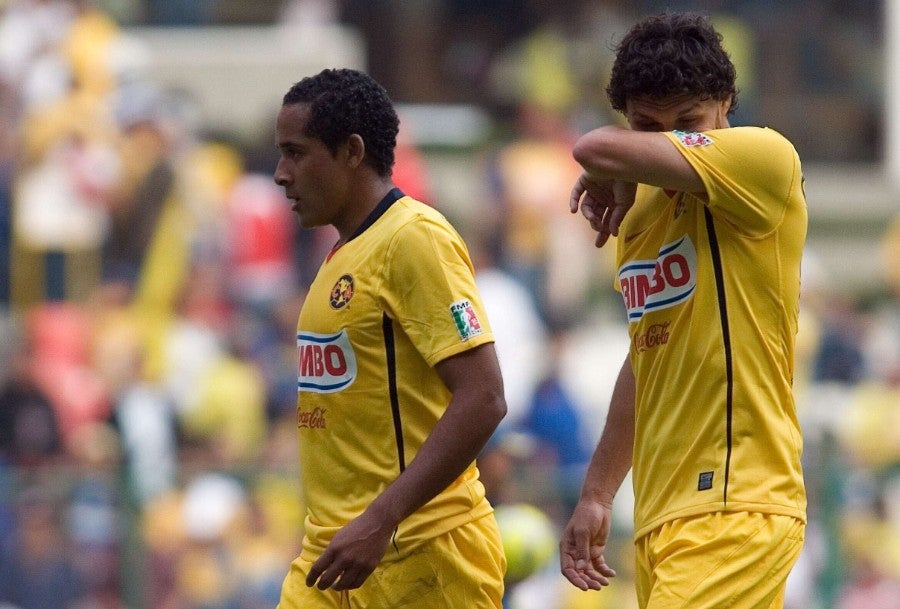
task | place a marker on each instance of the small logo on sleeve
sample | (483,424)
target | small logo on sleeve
(705,481)
(466,320)
(691,139)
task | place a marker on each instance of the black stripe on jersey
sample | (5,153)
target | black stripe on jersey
(726,339)
(387,327)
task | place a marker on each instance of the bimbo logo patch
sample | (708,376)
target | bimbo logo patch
(326,363)
(649,285)
(466,320)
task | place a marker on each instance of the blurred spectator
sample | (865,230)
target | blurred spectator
(93,513)
(533,173)
(145,181)
(839,357)
(261,234)
(67,162)
(517,325)
(29,428)
(60,335)
(38,572)
(556,423)
(146,422)
(869,589)
(230,415)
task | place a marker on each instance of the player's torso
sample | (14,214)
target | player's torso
(368,397)
(709,382)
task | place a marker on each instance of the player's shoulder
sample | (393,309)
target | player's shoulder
(763,137)
(411,214)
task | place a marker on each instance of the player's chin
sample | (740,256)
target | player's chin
(306,220)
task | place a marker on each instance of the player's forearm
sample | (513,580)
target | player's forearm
(614,153)
(613,457)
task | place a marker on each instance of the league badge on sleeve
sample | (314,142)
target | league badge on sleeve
(466,320)
(692,139)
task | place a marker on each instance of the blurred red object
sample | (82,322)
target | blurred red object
(60,335)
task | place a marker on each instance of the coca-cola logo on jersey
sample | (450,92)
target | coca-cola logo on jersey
(650,285)
(311,419)
(654,336)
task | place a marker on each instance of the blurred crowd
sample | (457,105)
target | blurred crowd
(151,274)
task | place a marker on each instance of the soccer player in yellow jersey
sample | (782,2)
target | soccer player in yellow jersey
(398,382)
(710,223)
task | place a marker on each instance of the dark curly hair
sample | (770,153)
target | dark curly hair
(343,102)
(668,55)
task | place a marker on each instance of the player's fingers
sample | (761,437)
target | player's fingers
(575,196)
(581,543)
(576,579)
(328,577)
(599,562)
(318,568)
(602,228)
(616,216)
(350,579)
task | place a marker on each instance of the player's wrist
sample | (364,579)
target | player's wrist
(598,496)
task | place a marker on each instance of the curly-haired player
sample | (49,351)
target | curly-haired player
(398,382)
(711,222)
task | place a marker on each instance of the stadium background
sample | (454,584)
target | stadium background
(150,274)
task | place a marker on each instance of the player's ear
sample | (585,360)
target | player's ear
(722,112)
(356,150)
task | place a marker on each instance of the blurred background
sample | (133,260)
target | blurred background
(151,274)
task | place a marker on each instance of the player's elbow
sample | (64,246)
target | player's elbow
(596,152)
(494,405)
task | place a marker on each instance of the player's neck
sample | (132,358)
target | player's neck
(363,202)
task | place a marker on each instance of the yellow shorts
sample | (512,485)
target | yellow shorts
(462,569)
(722,560)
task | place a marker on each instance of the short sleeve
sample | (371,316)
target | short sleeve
(429,289)
(750,173)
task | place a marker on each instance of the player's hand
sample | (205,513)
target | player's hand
(581,550)
(352,555)
(603,202)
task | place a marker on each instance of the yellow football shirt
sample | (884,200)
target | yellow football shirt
(384,308)
(711,289)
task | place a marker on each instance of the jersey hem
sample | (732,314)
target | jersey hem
(732,506)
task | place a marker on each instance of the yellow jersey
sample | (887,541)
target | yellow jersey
(711,286)
(384,308)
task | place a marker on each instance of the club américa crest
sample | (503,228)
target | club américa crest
(342,292)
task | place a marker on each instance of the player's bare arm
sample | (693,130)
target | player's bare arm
(583,544)
(614,153)
(476,408)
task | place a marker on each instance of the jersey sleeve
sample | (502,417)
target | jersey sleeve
(429,289)
(750,173)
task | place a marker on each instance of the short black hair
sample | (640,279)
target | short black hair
(343,102)
(672,54)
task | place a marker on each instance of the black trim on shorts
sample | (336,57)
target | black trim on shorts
(716,256)
(387,327)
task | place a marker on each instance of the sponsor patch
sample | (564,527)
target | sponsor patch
(693,138)
(704,483)
(466,320)
(342,292)
(326,363)
(651,285)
